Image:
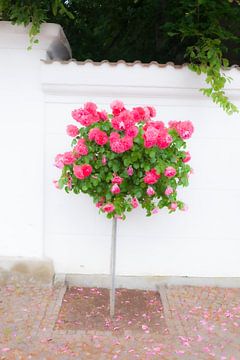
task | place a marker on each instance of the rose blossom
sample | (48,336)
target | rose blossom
(187,157)
(151,176)
(170,172)
(101,138)
(164,139)
(72,130)
(68,158)
(100,202)
(173,206)
(150,136)
(104,160)
(127,142)
(103,115)
(80,149)
(152,111)
(59,161)
(55,183)
(86,116)
(138,114)
(123,121)
(155,211)
(77,170)
(130,170)
(114,136)
(168,191)
(150,191)
(117,106)
(87,170)
(92,133)
(132,131)
(117,180)
(134,202)
(91,107)
(183,128)
(108,208)
(82,171)
(117,146)
(115,189)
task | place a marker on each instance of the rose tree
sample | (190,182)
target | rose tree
(124,159)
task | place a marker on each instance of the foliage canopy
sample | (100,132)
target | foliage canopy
(201,32)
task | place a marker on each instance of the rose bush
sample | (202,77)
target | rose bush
(124,159)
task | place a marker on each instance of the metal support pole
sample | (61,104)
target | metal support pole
(113,267)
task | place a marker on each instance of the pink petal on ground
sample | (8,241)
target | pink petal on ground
(179,352)
(5,349)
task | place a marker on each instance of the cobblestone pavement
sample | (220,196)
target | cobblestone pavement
(203,323)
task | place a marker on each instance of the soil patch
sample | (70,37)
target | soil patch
(88,309)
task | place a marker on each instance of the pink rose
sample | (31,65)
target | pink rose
(100,203)
(87,170)
(138,114)
(127,142)
(55,183)
(72,130)
(115,189)
(117,146)
(155,211)
(173,206)
(164,139)
(151,177)
(80,149)
(187,157)
(92,133)
(114,136)
(150,191)
(101,138)
(117,180)
(159,125)
(134,203)
(108,208)
(150,136)
(59,161)
(123,121)
(168,191)
(91,107)
(82,171)
(130,170)
(77,170)
(170,172)
(103,115)
(132,132)
(104,160)
(117,106)
(68,158)
(152,111)
(86,116)
(183,128)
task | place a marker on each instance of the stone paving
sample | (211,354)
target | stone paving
(203,323)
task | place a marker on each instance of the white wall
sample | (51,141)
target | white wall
(201,242)
(38,220)
(22,137)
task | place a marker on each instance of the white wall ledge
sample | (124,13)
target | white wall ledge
(51,38)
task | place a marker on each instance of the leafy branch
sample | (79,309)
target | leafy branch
(206,57)
(35,13)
